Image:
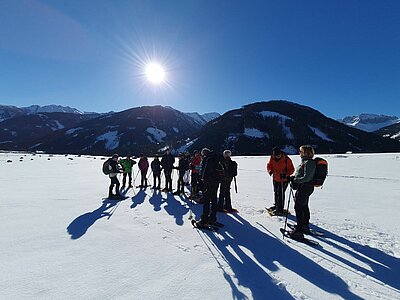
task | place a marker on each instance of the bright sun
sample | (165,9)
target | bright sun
(155,73)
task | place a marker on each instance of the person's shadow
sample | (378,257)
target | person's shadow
(255,256)
(383,267)
(175,208)
(138,198)
(156,200)
(81,224)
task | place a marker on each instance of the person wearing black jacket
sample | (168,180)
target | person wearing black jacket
(115,169)
(167,163)
(210,178)
(230,167)
(183,166)
(156,169)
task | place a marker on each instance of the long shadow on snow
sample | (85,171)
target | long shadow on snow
(138,198)
(385,268)
(268,252)
(175,208)
(156,200)
(81,224)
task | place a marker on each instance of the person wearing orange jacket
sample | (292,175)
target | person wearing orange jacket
(280,167)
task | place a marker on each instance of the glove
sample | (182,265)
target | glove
(290,178)
(270,173)
(283,176)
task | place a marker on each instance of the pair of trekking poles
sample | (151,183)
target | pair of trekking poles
(287,210)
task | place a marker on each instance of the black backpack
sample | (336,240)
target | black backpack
(107,167)
(321,171)
(220,170)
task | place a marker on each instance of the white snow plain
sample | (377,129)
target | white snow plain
(60,239)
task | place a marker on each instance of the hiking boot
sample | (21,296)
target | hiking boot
(279,213)
(296,234)
(305,229)
(112,196)
(202,222)
(272,208)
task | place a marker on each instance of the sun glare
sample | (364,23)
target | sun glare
(155,73)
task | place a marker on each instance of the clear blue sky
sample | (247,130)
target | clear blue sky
(339,57)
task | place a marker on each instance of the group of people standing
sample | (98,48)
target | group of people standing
(210,171)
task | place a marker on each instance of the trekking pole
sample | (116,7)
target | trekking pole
(190,209)
(151,172)
(287,213)
(134,179)
(234,180)
(283,197)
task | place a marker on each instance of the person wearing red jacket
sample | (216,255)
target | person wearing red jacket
(280,167)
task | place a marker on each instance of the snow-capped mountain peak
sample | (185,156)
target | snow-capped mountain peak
(204,118)
(369,122)
(34,109)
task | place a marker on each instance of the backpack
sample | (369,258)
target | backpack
(220,170)
(321,171)
(107,167)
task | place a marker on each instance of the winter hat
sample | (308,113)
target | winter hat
(205,151)
(115,155)
(276,151)
(227,153)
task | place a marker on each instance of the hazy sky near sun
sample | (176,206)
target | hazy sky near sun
(339,57)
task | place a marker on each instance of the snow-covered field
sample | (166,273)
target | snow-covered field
(60,240)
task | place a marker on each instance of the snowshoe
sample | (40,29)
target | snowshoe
(216,224)
(306,230)
(205,226)
(298,237)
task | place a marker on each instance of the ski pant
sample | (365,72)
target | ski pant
(155,178)
(224,199)
(279,194)
(181,183)
(124,178)
(210,198)
(143,178)
(301,199)
(114,182)
(168,179)
(195,183)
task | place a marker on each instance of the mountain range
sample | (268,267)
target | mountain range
(370,122)
(252,129)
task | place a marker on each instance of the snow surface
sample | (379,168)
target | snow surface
(111,138)
(156,134)
(61,240)
(73,130)
(320,133)
(255,133)
(282,118)
(56,125)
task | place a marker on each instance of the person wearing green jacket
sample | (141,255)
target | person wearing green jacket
(127,165)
